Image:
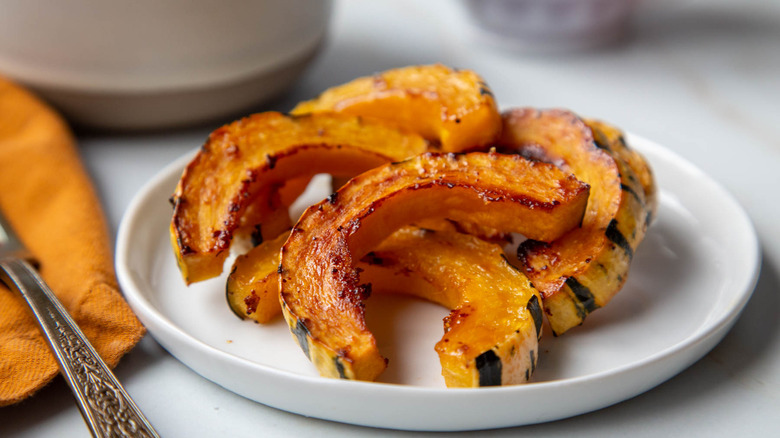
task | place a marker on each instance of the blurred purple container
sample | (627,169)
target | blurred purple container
(552,25)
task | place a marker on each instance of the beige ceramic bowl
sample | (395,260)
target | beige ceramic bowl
(150,64)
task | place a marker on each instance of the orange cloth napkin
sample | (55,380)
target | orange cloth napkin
(49,200)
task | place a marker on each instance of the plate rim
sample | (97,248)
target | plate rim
(705,336)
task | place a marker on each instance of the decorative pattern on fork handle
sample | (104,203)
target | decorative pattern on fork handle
(114,416)
(105,405)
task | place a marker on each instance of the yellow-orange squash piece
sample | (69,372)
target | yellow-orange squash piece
(496,320)
(232,185)
(491,335)
(610,138)
(452,107)
(584,269)
(252,288)
(322,296)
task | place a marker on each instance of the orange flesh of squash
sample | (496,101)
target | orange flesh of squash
(584,269)
(233,184)
(454,108)
(496,312)
(319,286)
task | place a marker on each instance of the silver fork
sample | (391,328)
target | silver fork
(106,407)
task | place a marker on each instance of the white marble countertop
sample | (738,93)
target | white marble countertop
(700,77)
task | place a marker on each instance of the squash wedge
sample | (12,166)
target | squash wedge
(454,108)
(232,186)
(610,138)
(493,329)
(584,269)
(320,288)
(252,288)
(492,333)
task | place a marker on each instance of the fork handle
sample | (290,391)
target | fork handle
(106,407)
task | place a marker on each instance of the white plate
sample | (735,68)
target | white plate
(689,281)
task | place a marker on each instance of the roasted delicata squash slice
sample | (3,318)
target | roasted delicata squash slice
(460,272)
(610,138)
(252,288)
(491,335)
(584,269)
(232,186)
(320,287)
(454,108)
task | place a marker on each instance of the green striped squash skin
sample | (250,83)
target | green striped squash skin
(585,292)
(590,284)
